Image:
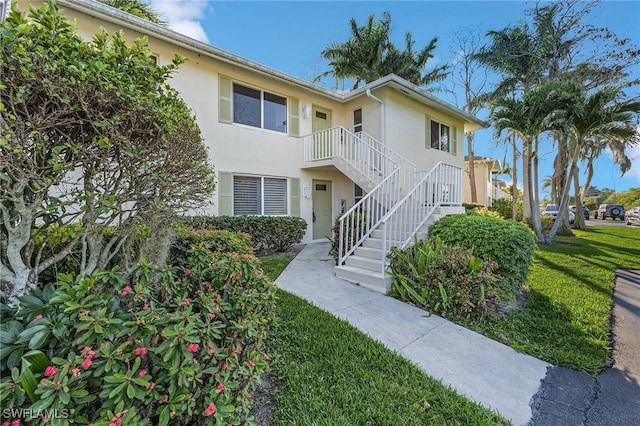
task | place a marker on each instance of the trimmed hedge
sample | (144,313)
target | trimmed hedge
(268,233)
(510,244)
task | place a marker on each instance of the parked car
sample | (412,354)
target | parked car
(552,210)
(633,216)
(585,211)
(610,210)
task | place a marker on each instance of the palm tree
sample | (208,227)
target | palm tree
(528,117)
(369,55)
(603,115)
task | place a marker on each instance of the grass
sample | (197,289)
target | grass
(567,318)
(326,372)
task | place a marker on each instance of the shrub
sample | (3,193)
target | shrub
(211,239)
(359,222)
(505,208)
(510,244)
(483,211)
(469,207)
(547,223)
(448,281)
(182,345)
(267,232)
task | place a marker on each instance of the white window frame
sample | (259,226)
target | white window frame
(261,179)
(262,108)
(357,125)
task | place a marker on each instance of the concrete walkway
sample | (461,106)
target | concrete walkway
(479,368)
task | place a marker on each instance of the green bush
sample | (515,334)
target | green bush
(359,222)
(268,233)
(505,208)
(510,244)
(180,346)
(448,281)
(211,239)
(546,220)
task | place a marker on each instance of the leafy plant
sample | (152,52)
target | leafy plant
(510,244)
(448,281)
(181,345)
(359,221)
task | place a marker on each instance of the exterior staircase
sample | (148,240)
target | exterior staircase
(400,202)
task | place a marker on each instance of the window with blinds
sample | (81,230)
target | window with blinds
(256,195)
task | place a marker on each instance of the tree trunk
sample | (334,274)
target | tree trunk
(580,221)
(514,186)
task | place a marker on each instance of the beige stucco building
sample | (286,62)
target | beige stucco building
(283,146)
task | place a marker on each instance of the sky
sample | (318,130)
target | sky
(289,36)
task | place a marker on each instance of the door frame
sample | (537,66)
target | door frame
(313,206)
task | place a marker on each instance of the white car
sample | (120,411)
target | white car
(552,210)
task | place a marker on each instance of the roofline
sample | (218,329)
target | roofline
(133,22)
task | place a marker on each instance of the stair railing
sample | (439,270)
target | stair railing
(440,186)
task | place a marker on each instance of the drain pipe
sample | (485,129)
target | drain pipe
(381,114)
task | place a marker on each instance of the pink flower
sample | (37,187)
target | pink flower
(86,363)
(125,291)
(207,246)
(152,385)
(187,272)
(16,422)
(225,366)
(141,351)
(75,372)
(220,387)
(50,371)
(6,423)
(193,348)
(210,409)
(142,373)
(195,361)
(119,351)
(37,317)
(210,350)
(88,351)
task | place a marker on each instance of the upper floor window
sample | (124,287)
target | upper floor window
(357,120)
(440,136)
(258,108)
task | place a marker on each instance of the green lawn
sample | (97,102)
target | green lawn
(326,372)
(567,319)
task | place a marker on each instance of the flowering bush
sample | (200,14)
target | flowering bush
(182,345)
(448,281)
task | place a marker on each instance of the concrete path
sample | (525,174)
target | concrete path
(479,368)
(568,397)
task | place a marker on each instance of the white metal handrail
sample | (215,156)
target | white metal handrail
(442,185)
(357,223)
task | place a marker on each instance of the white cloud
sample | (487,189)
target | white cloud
(634,155)
(183,16)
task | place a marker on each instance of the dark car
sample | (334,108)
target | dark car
(633,216)
(610,210)
(585,211)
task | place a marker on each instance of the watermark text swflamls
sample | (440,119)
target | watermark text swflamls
(28,413)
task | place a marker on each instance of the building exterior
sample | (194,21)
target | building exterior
(488,188)
(283,146)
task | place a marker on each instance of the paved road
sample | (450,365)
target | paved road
(568,397)
(606,222)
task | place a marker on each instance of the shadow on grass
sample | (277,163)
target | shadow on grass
(547,331)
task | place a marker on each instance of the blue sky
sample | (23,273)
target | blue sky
(289,36)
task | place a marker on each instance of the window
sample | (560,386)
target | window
(440,136)
(257,108)
(256,195)
(358,193)
(357,120)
